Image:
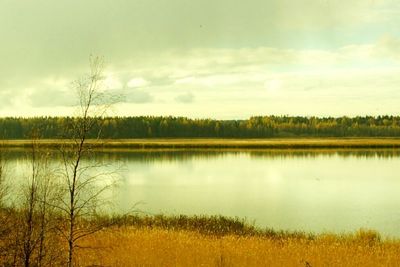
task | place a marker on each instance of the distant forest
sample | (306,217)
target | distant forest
(178,127)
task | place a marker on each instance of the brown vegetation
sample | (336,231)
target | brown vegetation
(201,143)
(129,246)
(214,241)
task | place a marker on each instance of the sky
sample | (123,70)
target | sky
(222,59)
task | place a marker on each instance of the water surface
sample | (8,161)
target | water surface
(336,191)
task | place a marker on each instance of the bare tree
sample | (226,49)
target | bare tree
(28,211)
(48,193)
(35,207)
(81,176)
(4,188)
(4,211)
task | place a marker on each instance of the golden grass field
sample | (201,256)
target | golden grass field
(181,240)
(130,246)
(283,143)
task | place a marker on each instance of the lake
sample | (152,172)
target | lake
(307,190)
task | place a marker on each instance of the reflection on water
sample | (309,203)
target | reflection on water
(183,154)
(311,190)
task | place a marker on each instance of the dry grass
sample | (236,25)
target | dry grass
(131,246)
(217,241)
(300,143)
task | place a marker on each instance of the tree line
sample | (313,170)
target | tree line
(181,127)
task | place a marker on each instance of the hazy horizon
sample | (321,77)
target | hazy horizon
(204,59)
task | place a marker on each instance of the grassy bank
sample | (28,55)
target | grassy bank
(287,143)
(206,241)
(219,241)
(129,246)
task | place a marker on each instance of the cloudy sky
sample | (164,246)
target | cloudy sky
(204,58)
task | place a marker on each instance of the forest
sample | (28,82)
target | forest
(181,127)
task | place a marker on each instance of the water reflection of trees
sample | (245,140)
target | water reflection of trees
(182,155)
(149,156)
(344,153)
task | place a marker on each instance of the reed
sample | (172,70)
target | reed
(284,143)
(133,240)
(148,246)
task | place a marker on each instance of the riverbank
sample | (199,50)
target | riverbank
(128,246)
(138,240)
(284,143)
(220,241)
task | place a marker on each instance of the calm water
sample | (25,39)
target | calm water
(302,190)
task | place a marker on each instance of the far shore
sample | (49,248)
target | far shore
(216,143)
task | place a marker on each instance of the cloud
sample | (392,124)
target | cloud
(40,38)
(228,75)
(210,80)
(6,98)
(273,86)
(48,97)
(137,82)
(388,47)
(112,82)
(185,98)
(139,97)
(224,53)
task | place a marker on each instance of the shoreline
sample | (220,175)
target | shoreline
(221,241)
(214,143)
(160,247)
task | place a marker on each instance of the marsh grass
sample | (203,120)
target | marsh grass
(206,225)
(138,240)
(219,241)
(213,143)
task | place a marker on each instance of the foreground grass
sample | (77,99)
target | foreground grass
(219,241)
(283,143)
(206,241)
(130,246)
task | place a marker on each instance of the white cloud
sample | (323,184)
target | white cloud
(211,80)
(137,82)
(6,98)
(112,82)
(361,77)
(273,86)
(215,67)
